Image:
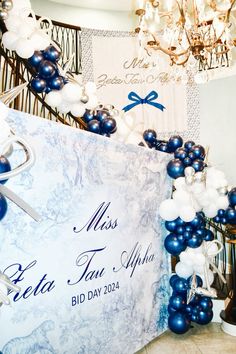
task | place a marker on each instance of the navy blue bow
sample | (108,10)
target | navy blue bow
(147,100)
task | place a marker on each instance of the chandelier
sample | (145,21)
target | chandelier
(191,33)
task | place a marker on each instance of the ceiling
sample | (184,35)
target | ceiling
(111,5)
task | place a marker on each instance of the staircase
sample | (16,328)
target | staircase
(15,71)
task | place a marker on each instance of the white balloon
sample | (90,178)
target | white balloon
(54,98)
(186,258)
(9,40)
(64,107)
(25,31)
(210,210)
(13,23)
(181,196)
(40,39)
(183,271)
(189,171)
(78,109)
(90,88)
(71,92)
(179,183)
(24,48)
(187,213)
(92,102)
(198,187)
(222,202)
(5,131)
(212,194)
(168,210)
(199,259)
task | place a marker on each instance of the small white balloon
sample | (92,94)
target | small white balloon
(78,109)
(222,202)
(179,183)
(182,197)
(54,98)
(186,258)
(187,213)
(25,31)
(64,107)
(210,210)
(24,48)
(183,271)
(168,210)
(13,23)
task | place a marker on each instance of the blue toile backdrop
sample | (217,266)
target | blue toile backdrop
(93,273)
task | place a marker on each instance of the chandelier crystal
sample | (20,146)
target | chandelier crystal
(191,33)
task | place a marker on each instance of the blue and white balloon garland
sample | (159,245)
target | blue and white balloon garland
(199,191)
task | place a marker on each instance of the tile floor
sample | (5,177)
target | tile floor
(209,339)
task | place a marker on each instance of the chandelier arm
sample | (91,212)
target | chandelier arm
(229,10)
(182,62)
(182,18)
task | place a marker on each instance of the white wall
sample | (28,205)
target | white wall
(98,19)
(218,124)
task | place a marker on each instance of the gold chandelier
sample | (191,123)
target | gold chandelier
(190,32)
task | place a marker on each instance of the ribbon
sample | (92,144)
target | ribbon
(133,96)
(6,285)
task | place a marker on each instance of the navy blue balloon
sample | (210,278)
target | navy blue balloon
(206,303)
(180,286)
(36,58)
(209,236)
(175,168)
(180,222)
(181,153)
(191,156)
(187,235)
(171,310)
(150,136)
(179,323)
(4,167)
(201,232)
(204,317)
(108,125)
(47,69)
(232,197)
(194,317)
(174,143)
(181,238)
(187,161)
(197,222)
(88,116)
(230,215)
(189,228)
(221,213)
(198,152)
(3,206)
(38,84)
(195,241)
(170,225)
(173,278)
(101,115)
(177,302)
(51,54)
(198,165)
(180,230)
(189,144)
(94,126)
(173,245)
(56,83)
(224,221)
(217,219)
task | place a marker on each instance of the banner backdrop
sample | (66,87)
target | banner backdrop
(93,273)
(112,60)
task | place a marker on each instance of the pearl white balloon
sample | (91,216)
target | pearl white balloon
(54,98)
(90,88)
(187,213)
(199,259)
(168,210)
(198,187)
(189,171)
(183,271)
(71,92)
(25,31)
(64,108)
(9,40)
(24,48)
(78,109)
(186,258)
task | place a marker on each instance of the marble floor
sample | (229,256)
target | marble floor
(209,339)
